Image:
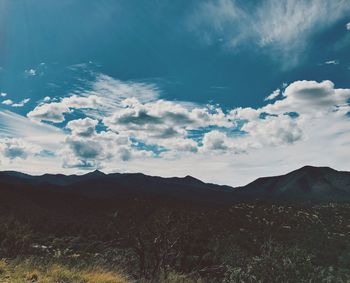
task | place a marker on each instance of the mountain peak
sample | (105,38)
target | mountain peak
(95,173)
(189,178)
(315,169)
(305,183)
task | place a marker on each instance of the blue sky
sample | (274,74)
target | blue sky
(162,86)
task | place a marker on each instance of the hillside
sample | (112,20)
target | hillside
(50,236)
(307,183)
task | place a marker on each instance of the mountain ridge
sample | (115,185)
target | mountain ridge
(308,183)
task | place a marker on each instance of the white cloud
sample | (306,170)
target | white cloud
(85,149)
(3,94)
(215,140)
(332,62)
(306,97)
(13,148)
(21,103)
(104,98)
(348,26)
(94,150)
(30,72)
(83,127)
(290,22)
(17,126)
(273,95)
(273,131)
(78,102)
(49,112)
(286,121)
(167,124)
(117,90)
(284,27)
(247,113)
(7,102)
(164,123)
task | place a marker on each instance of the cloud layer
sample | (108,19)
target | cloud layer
(125,126)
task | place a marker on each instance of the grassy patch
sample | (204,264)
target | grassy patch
(33,270)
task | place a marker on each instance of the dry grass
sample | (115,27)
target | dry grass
(28,271)
(32,270)
(173,277)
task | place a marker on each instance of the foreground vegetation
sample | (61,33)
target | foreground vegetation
(61,238)
(41,271)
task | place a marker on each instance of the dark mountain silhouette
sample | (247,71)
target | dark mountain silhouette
(99,185)
(306,184)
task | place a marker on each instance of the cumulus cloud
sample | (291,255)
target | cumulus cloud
(13,148)
(347,26)
(3,94)
(286,121)
(164,123)
(53,112)
(273,130)
(306,97)
(136,115)
(83,127)
(178,147)
(84,148)
(124,154)
(256,133)
(215,140)
(247,113)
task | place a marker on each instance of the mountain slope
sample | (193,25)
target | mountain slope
(306,183)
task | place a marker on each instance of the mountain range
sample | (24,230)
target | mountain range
(305,184)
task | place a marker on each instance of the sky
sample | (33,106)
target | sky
(226,91)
